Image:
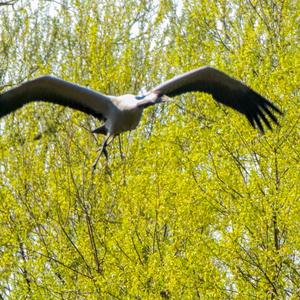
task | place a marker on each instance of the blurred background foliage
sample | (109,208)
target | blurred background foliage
(197,204)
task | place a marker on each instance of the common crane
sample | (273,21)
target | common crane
(123,113)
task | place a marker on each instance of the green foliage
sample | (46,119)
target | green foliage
(195,203)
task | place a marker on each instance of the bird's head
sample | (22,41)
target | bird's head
(162,98)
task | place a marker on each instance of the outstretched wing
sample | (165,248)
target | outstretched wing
(58,91)
(224,89)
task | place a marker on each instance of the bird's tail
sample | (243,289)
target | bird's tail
(100,130)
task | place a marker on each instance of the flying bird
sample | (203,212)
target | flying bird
(123,113)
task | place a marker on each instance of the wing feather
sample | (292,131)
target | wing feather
(58,91)
(225,90)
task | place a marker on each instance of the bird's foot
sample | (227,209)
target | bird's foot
(108,170)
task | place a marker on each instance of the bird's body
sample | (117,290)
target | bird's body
(123,113)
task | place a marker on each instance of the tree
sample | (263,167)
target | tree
(194,203)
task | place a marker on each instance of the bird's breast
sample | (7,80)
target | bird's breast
(124,120)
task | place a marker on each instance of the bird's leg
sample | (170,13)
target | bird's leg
(120,148)
(101,150)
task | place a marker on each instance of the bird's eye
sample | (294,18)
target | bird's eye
(139,97)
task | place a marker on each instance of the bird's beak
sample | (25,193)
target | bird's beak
(153,98)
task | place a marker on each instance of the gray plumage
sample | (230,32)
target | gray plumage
(122,113)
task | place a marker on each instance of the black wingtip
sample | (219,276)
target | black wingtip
(274,107)
(261,112)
